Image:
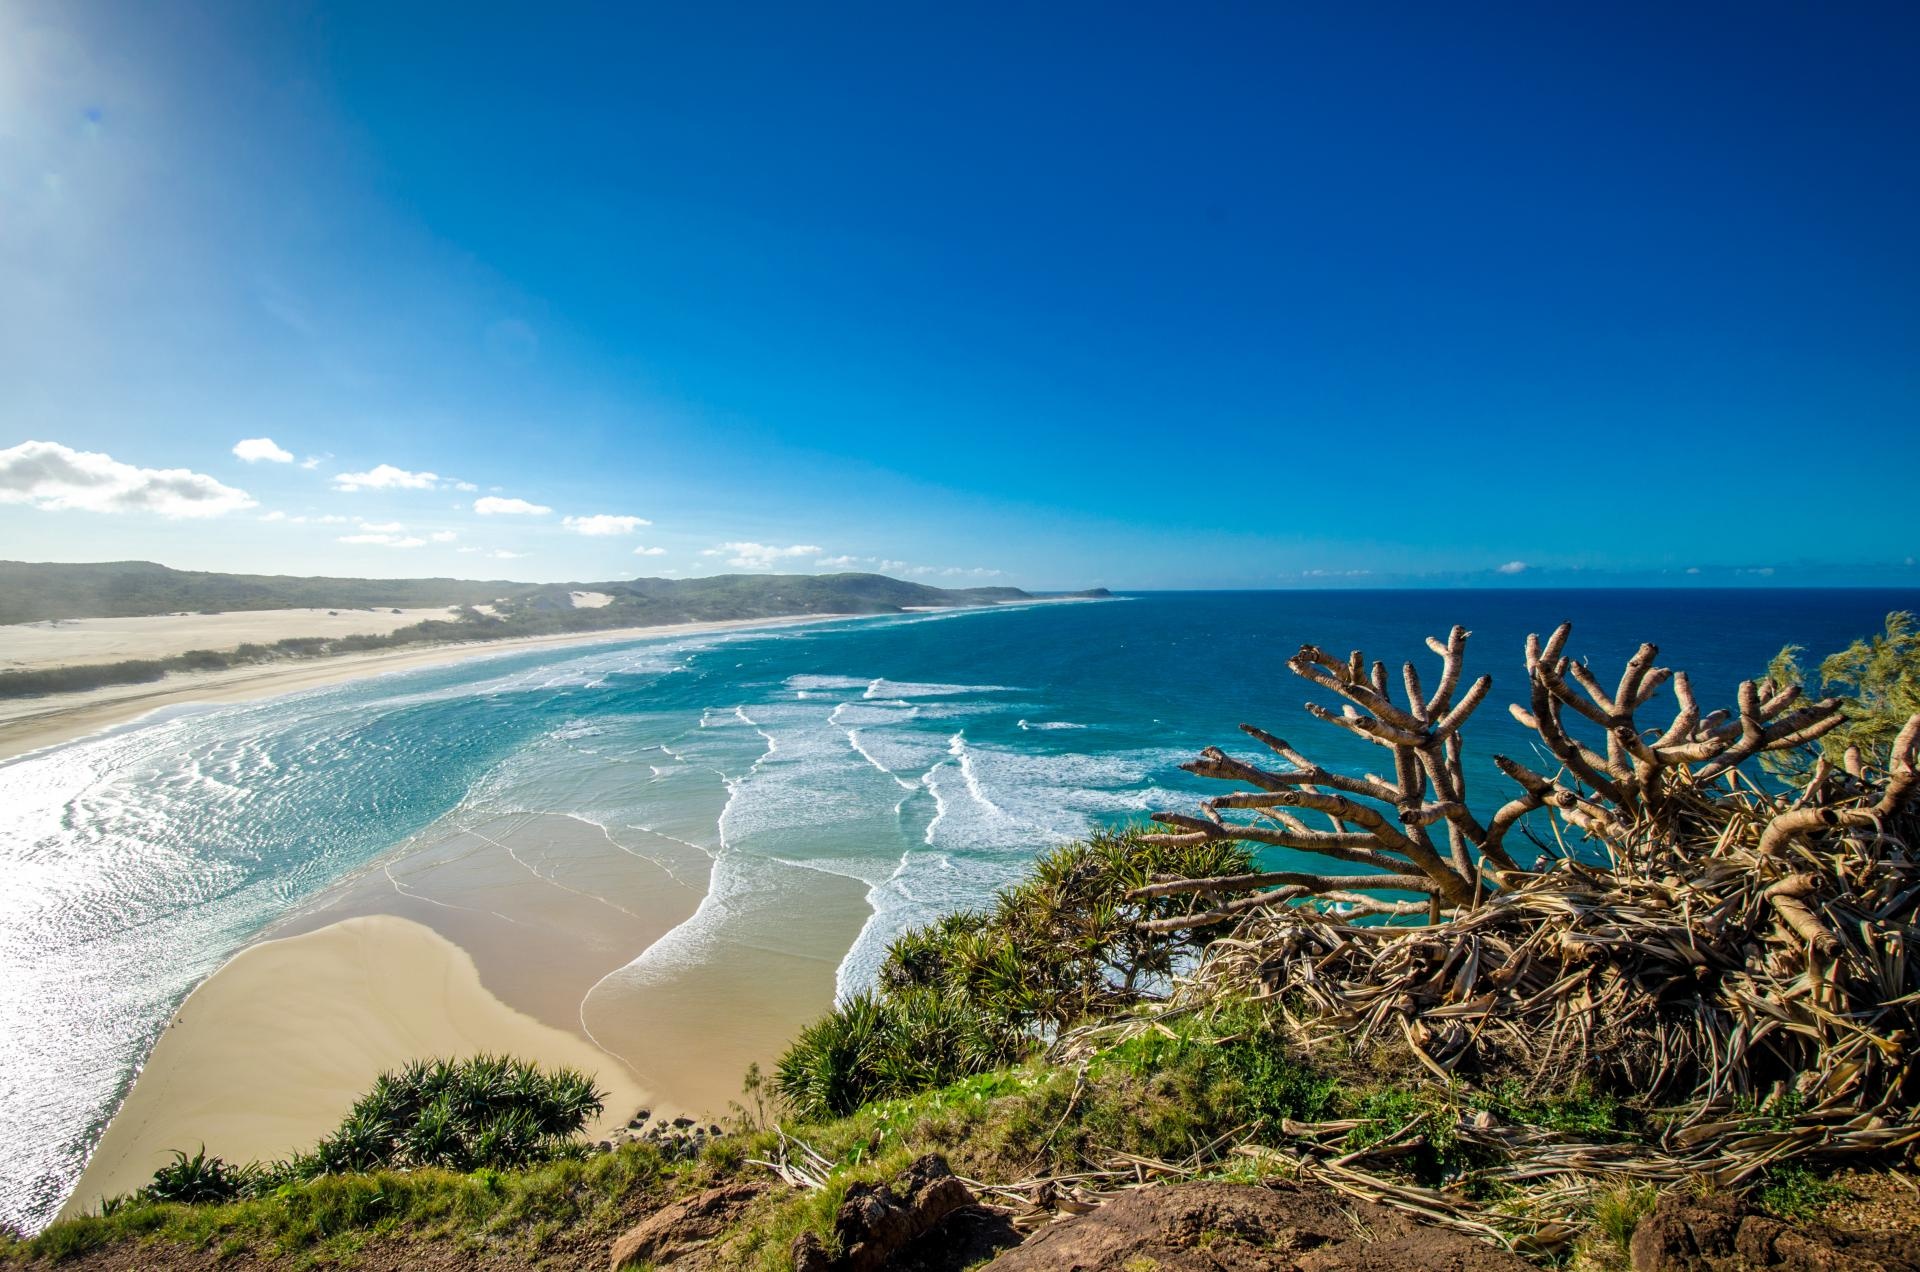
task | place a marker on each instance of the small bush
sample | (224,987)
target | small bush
(978,990)
(1794,1192)
(198,1179)
(1617,1213)
(489,1111)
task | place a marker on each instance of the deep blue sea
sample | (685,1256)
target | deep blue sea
(927,756)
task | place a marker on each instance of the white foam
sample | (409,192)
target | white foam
(883,688)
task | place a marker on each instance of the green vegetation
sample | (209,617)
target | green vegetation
(1617,1212)
(1877,680)
(1188,1091)
(1794,1192)
(486,1113)
(323,1220)
(200,1179)
(980,989)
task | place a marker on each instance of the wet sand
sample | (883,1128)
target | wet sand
(268,1054)
(516,934)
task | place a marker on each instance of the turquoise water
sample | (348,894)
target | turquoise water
(926,756)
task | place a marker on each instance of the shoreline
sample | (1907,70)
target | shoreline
(550,921)
(251,1072)
(28,725)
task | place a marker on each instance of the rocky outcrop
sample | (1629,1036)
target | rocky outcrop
(1716,1234)
(670,1234)
(923,1219)
(1214,1227)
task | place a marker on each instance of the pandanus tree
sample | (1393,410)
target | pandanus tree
(1704,931)
(1634,789)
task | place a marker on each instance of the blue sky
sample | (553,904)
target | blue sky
(1253,295)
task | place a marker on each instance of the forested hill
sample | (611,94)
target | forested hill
(32,592)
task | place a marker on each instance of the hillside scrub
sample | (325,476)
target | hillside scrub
(1192,1097)
(1685,933)
(980,989)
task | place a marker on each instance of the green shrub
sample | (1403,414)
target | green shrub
(489,1111)
(1794,1192)
(1618,1212)
(198,1179)
(1878,682)
(486,1113)
(977,990)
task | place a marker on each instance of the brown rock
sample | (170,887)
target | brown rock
(1719,1234)
(880,1226)
(675,1231)
(1214,1227)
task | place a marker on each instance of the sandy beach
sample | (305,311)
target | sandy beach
(519,932)
(514,935)
(267,1055)
(29,724)
(68,642)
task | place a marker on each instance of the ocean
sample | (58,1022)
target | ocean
(927,757)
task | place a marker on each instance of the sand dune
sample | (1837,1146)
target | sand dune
(70,642)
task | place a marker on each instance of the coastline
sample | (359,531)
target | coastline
(522,936)
(34,724)
(542,919)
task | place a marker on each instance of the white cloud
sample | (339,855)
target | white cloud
(381,527)
(501,554)
(386,477)
(55,478)
(604,523)
(384,540)
(1511,567)
(760,556)
(643,551)
(467,486)
(255,449)
(443,536)
(493,506)
(277,515)
(314,461)
(332,519)
(887,565)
